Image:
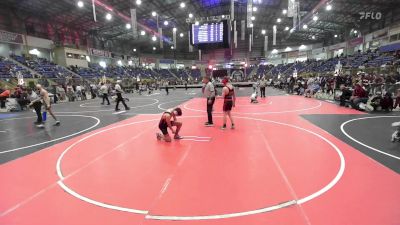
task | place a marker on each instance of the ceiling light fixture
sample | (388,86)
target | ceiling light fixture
(329,7)
(80,4)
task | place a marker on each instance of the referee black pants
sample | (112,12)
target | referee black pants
(210,105)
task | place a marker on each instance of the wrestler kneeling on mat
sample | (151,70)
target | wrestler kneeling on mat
(168,120)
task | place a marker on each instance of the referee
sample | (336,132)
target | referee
(209,93)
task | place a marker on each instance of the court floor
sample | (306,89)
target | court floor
(290,160)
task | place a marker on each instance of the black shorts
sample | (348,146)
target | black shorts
(164,127)
(227,106)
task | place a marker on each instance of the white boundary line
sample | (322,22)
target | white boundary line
(120,112)
(258,113)
(57,139)
(203,217)
(196,137)
(365,145)
(108,110)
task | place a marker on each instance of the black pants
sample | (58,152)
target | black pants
(38,109)
(105,97)
(3,102)
(167,90)
(210,104)
(262,90)
(120,99)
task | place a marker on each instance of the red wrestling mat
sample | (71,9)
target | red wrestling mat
(274,168)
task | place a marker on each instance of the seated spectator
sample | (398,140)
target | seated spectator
(387,102)
(376,101)
(3,96)
(22,98)
(397,103)
(345,96)
(359,96)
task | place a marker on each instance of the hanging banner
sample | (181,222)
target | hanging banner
(295,16)
(234,34)
(134,24)
(265,45)
(98,52)
(250,44)
(232,9)
(174,37)
(252,36)
(291,9)
(249,12)
(190,46)
(9,37)
(274,35)
(160,37)
(355,42)
(94,11)
(243,30)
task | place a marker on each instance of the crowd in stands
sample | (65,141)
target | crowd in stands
(372,92)
(9,69)
(359,60)
(43,66)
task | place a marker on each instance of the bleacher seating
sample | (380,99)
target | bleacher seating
(44,67)
(9,69)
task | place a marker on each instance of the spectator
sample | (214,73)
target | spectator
(387,102)
(3,96)
(376,101)
(359,96)
(345,96)
(397,103)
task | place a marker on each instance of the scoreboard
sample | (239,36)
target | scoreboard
(208,33)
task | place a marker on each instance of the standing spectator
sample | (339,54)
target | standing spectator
(104,92)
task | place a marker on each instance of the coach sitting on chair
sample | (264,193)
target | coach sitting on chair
(3,96)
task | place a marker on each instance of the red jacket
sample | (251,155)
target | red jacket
(359,92)
(5,93)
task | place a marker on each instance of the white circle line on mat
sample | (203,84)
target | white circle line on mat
(303,200)
(57,139)
(342,128)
